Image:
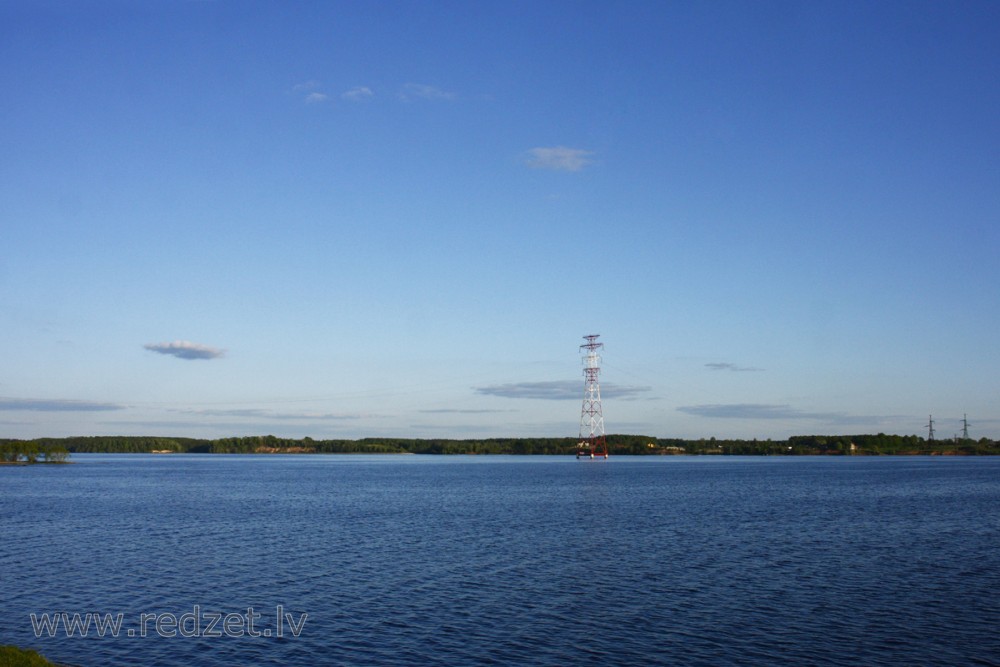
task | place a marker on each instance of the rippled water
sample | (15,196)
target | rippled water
(511,560)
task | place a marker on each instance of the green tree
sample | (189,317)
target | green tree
(56,454)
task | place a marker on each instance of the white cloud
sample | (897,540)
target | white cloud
(423,91)
(310,92)
(183,349)
(357,94)
(559,158)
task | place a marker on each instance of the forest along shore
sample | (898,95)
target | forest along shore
(57,450)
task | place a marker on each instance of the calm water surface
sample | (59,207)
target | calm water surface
(415,560)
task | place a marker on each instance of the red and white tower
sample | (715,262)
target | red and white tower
(592,442)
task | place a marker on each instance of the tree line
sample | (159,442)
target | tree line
(53,449)
(32,451)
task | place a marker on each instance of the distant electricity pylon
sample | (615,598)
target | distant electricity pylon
(965,426)
(930,427)
(592,441)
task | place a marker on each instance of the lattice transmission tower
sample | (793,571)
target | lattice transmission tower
(592,441)
(930,427)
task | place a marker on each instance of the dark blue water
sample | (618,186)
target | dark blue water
(415,560)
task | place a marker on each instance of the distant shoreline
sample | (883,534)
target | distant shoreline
(655,455)
(880,444)
(33,463)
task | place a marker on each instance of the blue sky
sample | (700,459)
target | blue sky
(364,219)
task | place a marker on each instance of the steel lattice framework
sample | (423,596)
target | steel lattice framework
(592,441)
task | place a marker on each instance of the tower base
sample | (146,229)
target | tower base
(586,450)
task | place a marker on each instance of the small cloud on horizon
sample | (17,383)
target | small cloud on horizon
(556,390)
(259,413)
(748,411)
(558,158)
(725,366)
(56,405)
(767,411)
(183,349)
(448,411)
